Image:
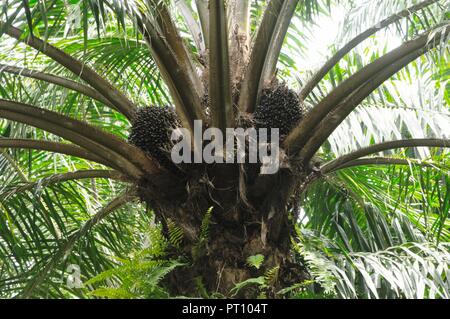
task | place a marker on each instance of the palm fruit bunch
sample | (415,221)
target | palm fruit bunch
(151,132)
(279,107)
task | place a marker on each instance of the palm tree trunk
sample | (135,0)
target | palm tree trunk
(217,244)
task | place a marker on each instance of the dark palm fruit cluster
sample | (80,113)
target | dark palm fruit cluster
(151,132)
(280,108)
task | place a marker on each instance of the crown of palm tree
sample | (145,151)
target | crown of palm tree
(73,75)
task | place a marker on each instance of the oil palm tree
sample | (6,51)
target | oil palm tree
(84,89)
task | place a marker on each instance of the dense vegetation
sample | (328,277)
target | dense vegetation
(92,206)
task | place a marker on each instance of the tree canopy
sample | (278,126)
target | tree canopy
(372,223)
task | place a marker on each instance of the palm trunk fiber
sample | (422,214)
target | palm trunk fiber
(240,223)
